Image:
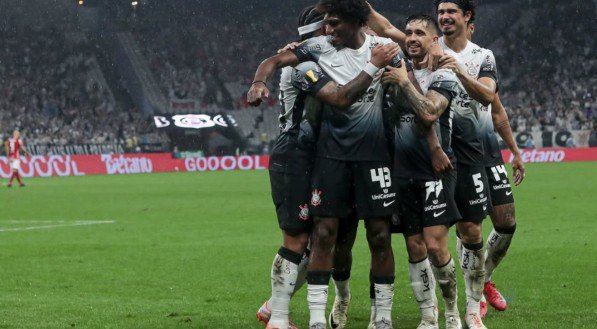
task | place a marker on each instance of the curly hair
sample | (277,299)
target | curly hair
(352,11)
(465,5)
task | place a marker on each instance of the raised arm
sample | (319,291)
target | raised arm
(429,107)
(382,26)
(265,70)
(501,123)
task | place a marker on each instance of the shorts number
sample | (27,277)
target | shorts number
(478,183)
(381,175)
(433,187)
(497,170)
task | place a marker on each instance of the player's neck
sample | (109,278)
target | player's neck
(456,42)
(357,42)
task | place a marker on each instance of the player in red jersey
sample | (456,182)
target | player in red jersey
(14,146)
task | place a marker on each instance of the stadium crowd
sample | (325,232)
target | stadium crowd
(50,89)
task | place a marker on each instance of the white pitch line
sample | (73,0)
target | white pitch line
(43,227)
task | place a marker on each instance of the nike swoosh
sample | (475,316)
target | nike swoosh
(385,204)
(484,208)
(509,193)
(438,214)
(337,65)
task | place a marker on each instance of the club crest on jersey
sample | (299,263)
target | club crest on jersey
(304,212)
(316,198)
(471,68)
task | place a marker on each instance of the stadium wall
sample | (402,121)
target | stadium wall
(147,163)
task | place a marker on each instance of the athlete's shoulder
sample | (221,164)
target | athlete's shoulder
(444,79)
(314,47)
(375,40)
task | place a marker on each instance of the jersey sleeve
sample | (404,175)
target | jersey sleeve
(310,49)
(309,78)
(488,67)
(444,82)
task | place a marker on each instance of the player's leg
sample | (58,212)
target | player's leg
(504,225)
(440,212)
(329,201)
(375,202)
(295,223)
(410,206)
(347,233)
(472,197)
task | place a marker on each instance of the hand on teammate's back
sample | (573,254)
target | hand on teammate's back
(382,56)
(257,92)
(440,161)
(518,170)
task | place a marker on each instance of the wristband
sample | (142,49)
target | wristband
(371,69)
(254,82)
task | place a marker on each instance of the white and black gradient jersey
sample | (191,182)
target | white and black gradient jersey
(478,63)
(412,157)
(299,117)
(356,134)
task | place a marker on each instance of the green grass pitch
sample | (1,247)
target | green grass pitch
(194,250)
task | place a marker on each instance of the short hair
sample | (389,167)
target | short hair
(308,16)
(465,5)
(352,11)
(425,18)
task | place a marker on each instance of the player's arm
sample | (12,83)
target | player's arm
(266,69)
(428,108)
(439,159)
(501,123)
(482,90)
(346,95)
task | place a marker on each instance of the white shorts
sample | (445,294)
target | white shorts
(15,164)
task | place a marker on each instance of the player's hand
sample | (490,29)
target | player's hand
(434,54)
(289,46)
(395,75)
(518,170)
(440,162)
(382,56)
(450,63)
(257,93)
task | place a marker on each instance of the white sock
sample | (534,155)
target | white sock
(342,289)
(283,276)
(446,279)
(301,277)
(372,316)
(459,249)
(317,297)
(473,267)
(423,284)
(497,247)
(384,297)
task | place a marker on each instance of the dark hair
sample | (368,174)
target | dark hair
(465,5)
(352,11)
(308,16)
(425,18)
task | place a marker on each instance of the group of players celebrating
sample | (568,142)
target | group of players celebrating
(396,128)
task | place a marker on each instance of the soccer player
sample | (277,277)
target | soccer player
(502,213)
(478,76)
(352,159)
(13,147)
(290,164)
(426,206)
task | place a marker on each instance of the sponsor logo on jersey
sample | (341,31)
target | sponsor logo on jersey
(383,196)
(501,186)
(478,201)
(304,212)
(316,198)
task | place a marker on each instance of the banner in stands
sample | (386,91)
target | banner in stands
(79,149)
(120,164)
(146,163)
(194,121)
(545,139)
(553,155)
